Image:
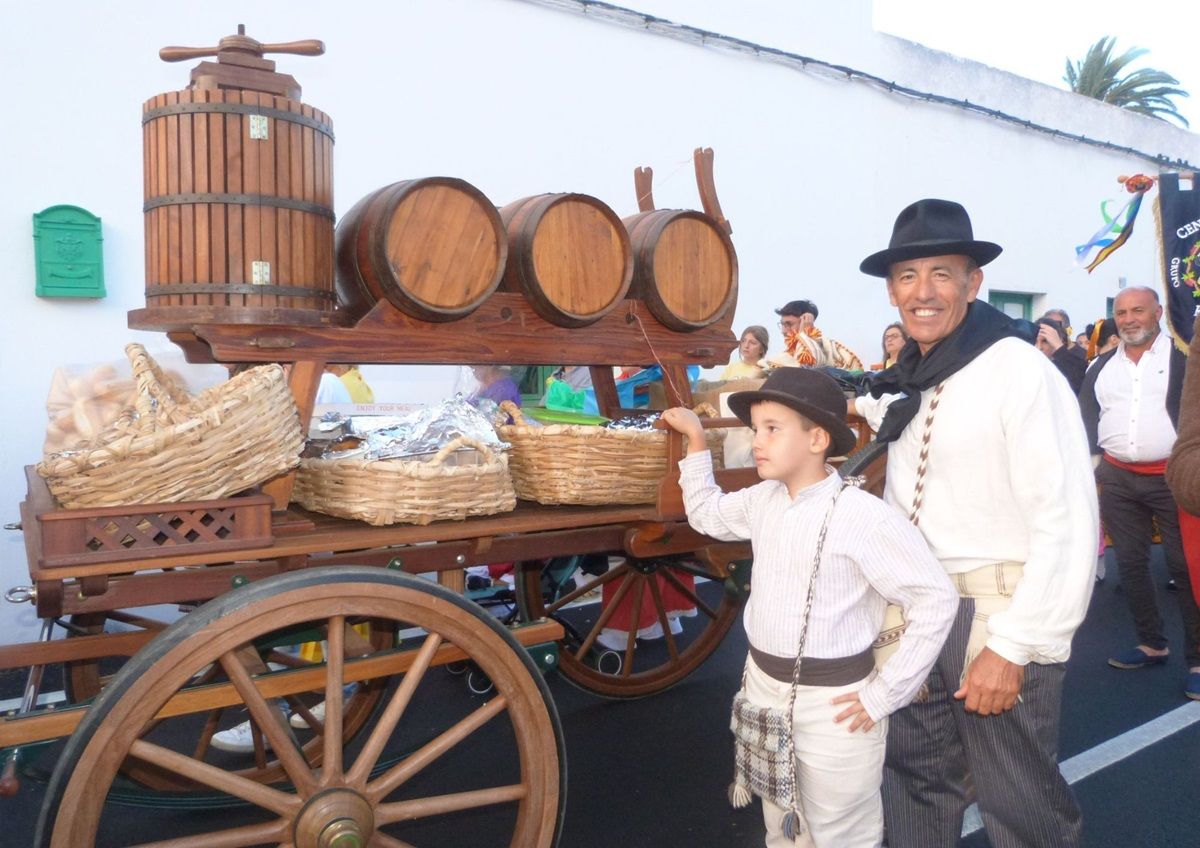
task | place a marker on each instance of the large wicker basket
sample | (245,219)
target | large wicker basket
(581,464)
(453,484)
(172,447)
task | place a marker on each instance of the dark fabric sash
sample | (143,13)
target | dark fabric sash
(913,373)
(815,671)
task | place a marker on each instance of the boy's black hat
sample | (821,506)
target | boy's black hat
(814,395)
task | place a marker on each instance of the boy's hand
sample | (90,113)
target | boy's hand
(683,420)
(862,720)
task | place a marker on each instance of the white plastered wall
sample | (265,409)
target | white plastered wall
(522,97)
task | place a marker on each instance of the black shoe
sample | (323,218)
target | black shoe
(1171,587)
(477,582)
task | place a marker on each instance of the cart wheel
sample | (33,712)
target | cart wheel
(495,771)
(645,666)
(84,680)
(871,463)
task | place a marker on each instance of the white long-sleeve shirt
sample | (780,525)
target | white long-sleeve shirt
(871,556)
(1134,424)
(1009,480)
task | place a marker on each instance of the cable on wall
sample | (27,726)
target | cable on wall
(634,19)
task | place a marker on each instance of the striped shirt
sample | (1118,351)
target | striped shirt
(872,555)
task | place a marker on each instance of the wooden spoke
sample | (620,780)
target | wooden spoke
(382,840)
(660,610)
(206,735)
(272,722)
(281,803)
(634,625)
(238,837)
(441,804)
(580,591)
(688,592)
(331,764)
(602,621)
(357,776)
(394,777)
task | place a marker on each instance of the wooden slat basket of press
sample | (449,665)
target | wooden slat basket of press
(462,479)
(590,465)
(173,447)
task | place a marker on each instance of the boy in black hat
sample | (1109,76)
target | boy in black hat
(869,556)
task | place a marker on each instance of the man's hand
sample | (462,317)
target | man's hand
(683,420)
(992,684)
(862,720)
(1048,340)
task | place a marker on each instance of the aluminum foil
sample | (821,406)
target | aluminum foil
(420,433)
(634,422)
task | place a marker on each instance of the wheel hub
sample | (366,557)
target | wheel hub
(337,818)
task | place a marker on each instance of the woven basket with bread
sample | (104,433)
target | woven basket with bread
(170,446)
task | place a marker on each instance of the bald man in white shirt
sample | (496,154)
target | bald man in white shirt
(1130,402)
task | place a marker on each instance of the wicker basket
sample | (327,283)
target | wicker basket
(450,485)
(581,464)
(172,447)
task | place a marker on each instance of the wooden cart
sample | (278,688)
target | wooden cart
(370,739)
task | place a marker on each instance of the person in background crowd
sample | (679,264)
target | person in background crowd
(331,389)
(352,379)
(894,339)
(751,349)
(1131,403)
(1102,337)
(1081,340)
(1060,315)
(1052,341)
(972,402)
(1183,471)
(805,344)
(495,384)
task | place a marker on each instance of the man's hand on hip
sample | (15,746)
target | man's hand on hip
(992,684)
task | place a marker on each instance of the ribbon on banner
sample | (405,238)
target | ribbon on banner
(1178,217)
(1117,228)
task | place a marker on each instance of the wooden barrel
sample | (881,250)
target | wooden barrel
(434,247)
(685,267)
(238,208)
(569,255)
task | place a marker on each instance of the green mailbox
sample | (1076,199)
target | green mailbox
(67,252)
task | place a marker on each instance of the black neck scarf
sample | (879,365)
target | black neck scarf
(913,372)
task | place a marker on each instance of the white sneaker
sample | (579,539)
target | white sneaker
(318,713)
(238,739)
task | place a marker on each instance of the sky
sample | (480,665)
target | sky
(1033,38)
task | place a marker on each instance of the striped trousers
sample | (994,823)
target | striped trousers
(1011,760)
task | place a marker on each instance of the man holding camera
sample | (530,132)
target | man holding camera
(1130,401)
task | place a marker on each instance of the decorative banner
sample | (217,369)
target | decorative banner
(1117,228)
(1178,216)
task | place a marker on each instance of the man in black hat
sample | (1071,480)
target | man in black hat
(988,457)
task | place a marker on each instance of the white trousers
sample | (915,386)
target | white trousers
(840,772)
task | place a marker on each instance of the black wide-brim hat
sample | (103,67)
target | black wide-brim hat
(814,395)
(930,227)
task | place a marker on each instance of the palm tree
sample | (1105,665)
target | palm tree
(1146,91)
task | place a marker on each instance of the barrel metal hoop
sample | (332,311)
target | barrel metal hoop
(243,199)
(161,290)
(238,109)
